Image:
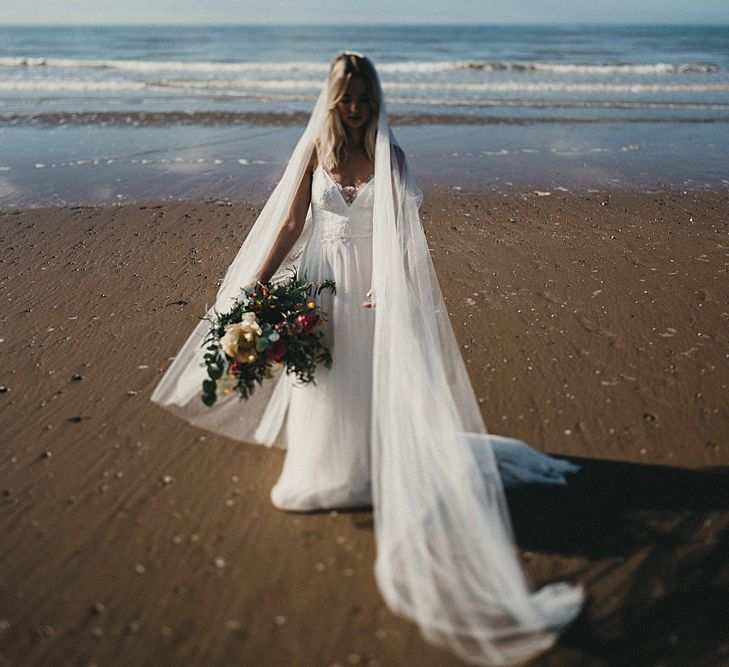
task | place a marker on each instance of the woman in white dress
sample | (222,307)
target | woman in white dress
(327,463)
(394,423)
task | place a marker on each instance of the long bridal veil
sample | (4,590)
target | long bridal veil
(445,548)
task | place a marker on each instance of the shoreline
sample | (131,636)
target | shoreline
(53,119)
(93,164)
(508,191)
(593,327)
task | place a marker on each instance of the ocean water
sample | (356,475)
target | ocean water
(676,72)
(640,105)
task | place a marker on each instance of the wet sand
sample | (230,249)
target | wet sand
(108,158)
(594,327)
(53,119)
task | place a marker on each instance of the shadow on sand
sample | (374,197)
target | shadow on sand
(656,544)
(656,540)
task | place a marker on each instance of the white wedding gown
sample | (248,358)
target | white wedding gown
(326,426)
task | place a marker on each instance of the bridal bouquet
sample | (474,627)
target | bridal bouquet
(269,324)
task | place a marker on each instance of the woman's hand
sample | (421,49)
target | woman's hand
(369,302)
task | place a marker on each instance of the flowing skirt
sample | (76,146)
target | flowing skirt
(327,426)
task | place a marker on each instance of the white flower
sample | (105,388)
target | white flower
(241,336)
(250,323)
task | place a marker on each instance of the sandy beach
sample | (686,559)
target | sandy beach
(594,326)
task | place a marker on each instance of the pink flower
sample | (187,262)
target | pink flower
(307,326)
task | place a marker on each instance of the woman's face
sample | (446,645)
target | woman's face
(354,107)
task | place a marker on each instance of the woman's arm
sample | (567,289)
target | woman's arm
(291,228)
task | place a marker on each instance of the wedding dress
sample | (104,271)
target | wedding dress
(395,421)
(327,463)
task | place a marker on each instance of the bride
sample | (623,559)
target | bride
(394,423)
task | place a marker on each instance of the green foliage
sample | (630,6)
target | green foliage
(290,336)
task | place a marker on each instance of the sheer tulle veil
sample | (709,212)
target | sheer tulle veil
(445,548)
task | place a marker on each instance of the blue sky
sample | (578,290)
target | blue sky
(364,11)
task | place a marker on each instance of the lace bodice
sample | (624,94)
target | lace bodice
(340,213)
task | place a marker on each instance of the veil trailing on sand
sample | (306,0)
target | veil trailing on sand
(445,548)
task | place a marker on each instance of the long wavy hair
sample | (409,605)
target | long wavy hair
(333,144)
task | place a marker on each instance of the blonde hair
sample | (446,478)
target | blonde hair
(332,146)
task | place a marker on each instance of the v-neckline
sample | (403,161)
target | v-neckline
(340,187)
